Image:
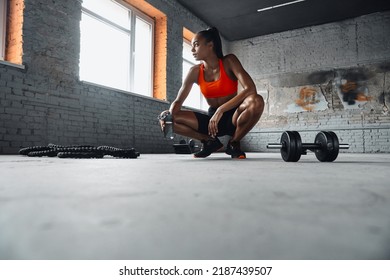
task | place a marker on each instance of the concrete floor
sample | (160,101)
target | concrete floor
(176,207)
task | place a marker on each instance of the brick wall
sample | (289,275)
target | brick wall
(42,101)
(328,77)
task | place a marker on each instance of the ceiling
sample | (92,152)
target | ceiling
(239,19)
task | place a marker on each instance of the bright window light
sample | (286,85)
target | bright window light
(195,99)
(104,54)
(116,46)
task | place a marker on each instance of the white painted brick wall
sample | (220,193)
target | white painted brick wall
(285,61)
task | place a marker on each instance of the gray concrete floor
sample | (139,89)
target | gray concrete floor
(176,207)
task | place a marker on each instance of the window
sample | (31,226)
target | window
(116,46)
(3,18)
(195,99)
(11,31)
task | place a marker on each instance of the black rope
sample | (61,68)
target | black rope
(78,151)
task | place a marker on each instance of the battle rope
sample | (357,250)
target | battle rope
(82,151)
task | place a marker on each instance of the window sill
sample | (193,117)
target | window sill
(120,90)
(20,66)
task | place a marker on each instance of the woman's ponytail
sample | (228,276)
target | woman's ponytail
(212,35)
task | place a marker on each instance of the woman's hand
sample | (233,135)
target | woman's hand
(161,118)
(213,124)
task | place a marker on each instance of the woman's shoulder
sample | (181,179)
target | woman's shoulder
(195,68)
(230,58)
(231,62)
(193,73)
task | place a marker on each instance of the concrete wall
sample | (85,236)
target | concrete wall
(44,102)
(330,77)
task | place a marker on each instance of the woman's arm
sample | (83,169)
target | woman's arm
(192,77)
(248,86)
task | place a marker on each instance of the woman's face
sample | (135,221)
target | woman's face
(200,48)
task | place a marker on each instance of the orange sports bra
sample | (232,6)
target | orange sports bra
(224,86)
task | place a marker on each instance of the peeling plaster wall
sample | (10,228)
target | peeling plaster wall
(330,77)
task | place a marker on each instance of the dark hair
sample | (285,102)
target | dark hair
(212,35)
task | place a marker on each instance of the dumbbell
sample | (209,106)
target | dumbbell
(185,148)
(326,146)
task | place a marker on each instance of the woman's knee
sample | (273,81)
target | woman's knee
(255,102)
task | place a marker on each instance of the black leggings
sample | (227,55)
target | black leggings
(225,125)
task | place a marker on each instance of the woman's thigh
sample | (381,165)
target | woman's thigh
(192,119)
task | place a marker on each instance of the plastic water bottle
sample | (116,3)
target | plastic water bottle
(168,128)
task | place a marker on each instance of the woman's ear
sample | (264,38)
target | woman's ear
(210,45)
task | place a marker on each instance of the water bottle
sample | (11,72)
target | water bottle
(166,117)
(168,128)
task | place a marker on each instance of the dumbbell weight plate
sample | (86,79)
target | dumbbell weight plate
(289,149)
(298,143)
(333,153)
(322,139)
(326,152)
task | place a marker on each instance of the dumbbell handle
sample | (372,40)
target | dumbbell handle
(318,146)
(274,146)
(304,146)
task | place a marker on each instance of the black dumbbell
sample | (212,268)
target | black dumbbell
(185,148)
(326,146)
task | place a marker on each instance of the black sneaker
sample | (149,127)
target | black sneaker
(209,146)
(234,149)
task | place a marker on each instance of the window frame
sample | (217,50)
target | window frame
(3,28)
(134,13)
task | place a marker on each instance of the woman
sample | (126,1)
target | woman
(231,112)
